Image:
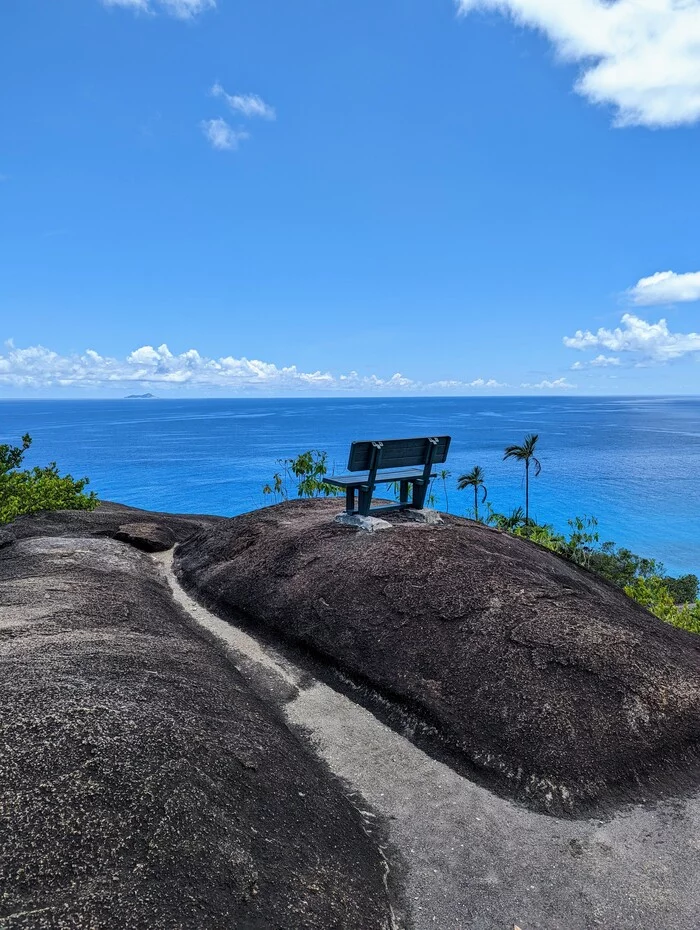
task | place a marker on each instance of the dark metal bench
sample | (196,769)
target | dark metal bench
(407,461)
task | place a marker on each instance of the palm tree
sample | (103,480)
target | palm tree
(526,453)
(443,476)
(474,479)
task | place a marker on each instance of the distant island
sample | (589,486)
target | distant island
(140,397)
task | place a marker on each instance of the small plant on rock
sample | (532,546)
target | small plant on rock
(303,475)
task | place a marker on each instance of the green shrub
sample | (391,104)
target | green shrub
(303,474)
(621,566)
(653,594)
(34,489)
(684,589)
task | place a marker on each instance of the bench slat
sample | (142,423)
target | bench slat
(397,453)
(383,477)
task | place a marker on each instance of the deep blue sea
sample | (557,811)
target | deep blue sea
(634,463)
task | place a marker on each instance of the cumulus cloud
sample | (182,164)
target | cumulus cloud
(600,361)
(646,342)
(222,136)
(250,105)
(181,9)
(489,384)
(640,56)
(666,287)
(547,385)
(39,367)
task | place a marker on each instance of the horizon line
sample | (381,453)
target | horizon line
(552,396)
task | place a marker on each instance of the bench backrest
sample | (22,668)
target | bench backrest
(398,453)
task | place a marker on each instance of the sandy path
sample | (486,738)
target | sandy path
(472,860)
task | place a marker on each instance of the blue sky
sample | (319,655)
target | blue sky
(399,196)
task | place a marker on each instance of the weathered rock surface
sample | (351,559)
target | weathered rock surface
(142,784)
(149,537)
(107,520)
(7,536)
(546,681)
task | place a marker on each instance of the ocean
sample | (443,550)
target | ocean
(633,462)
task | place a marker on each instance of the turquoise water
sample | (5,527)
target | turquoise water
(632,462)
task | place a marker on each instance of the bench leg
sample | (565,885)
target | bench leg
(403,492)
(350,500)
(364,501)
(419,489)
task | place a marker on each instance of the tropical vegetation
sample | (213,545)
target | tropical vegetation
(526,453)
(301,476)
(30,490)
(474,479)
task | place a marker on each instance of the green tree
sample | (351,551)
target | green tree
(526,453)
(684,589)
(443,475)
(304,474)
(474,479)
(30,490)
(621,566)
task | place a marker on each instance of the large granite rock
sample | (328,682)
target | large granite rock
(142,783)
(110,519)
(148,537)
(542,679)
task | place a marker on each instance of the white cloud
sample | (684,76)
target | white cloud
(128,4)
(666,287)
(249,105)
(640,56)
(221,135)
(600,361)
(186,9)
(546,385)
(39,367)
(646,342)
(476,383)
(181,9)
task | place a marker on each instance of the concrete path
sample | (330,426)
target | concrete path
(468,859)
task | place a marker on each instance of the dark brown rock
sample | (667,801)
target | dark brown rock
(544,680)
(142,783)
(149,537)
(107,520)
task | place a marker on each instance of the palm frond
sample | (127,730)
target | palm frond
(471,479)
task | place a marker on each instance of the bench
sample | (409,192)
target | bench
(406,461)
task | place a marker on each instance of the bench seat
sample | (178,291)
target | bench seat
(399,474)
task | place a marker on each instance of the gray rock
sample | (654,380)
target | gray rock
(431,517)
(366,524)
(106,521)
(7,537)
(149,537)
(142,782)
